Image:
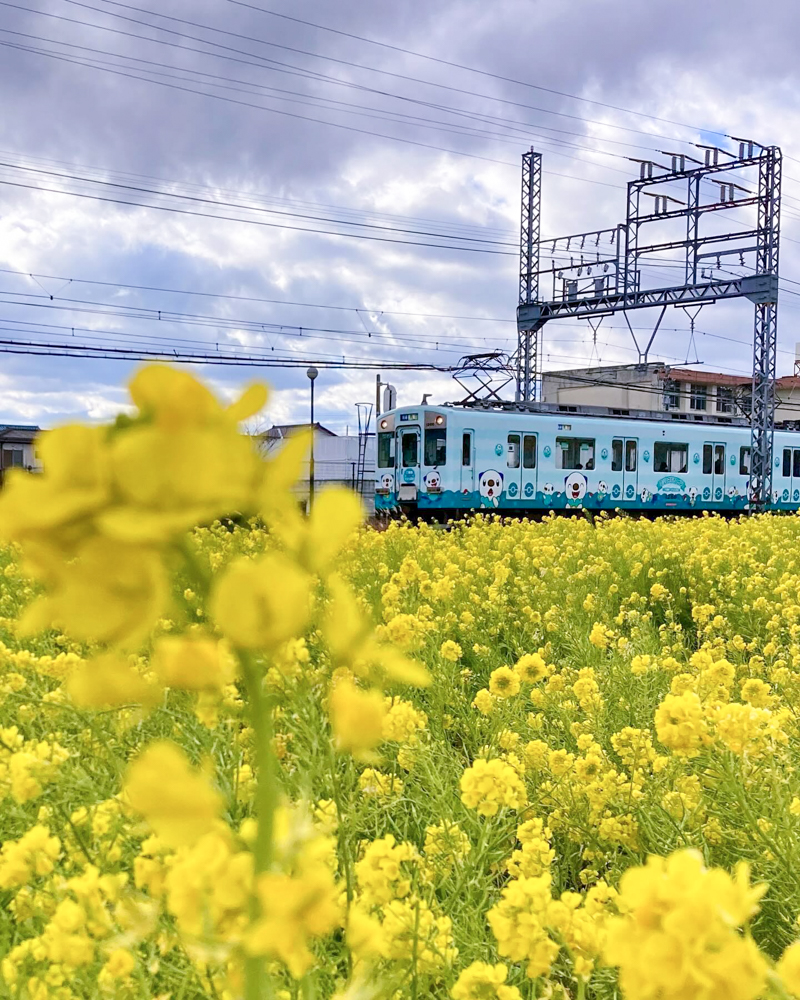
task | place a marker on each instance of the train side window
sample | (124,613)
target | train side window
(513,451)
(719,459)
(435,445)
(670,457)
(787,462)
(796,463)
(616,455)
(574,453)
(707,463)
(630,456)
(466,448)
(529,451)
(386,450)
(744,461)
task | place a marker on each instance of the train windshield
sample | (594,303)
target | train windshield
(435,445)
(386,451)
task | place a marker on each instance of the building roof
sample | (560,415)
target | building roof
(703,377)
(284,430)
(18,431)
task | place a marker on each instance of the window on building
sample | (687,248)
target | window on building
(630,456)
(616,455)
(574,453)
(12,458)
(435,445)
(672,395)
(698,399)
(512,451)
(529,451)
(787,462)
(744,461)
(670,457)
(386,451)
(410,450)
(724,399)
(466,448)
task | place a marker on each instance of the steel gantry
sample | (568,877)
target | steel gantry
(599,273)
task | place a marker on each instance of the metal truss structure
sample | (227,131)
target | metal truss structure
(595,274)
(484,376)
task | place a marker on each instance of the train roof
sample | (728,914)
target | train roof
(562,409)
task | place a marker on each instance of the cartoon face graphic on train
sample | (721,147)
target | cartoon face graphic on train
(432,480)
(491,486)
(386,482)
(575,487)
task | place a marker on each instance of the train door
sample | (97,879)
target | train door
(467,461)
(625,466)
(791,475)
(513,470)
(407,451)
(714,471)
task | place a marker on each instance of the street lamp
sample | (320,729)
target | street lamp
(312,374)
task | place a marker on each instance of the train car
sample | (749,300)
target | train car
(444,460)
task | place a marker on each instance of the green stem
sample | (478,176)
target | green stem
(257,984)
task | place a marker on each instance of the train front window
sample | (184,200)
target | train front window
(670,457)
(435,446)
(574,453)
(386,450)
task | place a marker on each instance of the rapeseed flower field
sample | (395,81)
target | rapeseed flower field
(270,756)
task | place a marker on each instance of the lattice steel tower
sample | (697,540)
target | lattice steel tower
(601,272)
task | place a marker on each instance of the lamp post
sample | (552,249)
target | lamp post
(312,374)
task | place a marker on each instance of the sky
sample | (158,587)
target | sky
(339,184)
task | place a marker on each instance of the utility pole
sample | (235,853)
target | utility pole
(312,374)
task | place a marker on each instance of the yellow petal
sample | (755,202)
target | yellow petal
(253,399)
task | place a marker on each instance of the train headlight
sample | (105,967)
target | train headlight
(439,419)
(384,424)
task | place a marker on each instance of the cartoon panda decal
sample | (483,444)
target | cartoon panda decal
(386,483)
(432,480)
(491,486)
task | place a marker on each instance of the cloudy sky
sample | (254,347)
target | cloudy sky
(339,182)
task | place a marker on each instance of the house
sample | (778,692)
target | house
(17,448)
(656,386)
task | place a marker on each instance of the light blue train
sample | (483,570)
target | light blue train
(446,459)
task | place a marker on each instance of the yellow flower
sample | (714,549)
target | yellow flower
(294,911)
(34,854)
(679,937)
(681,725)
(531,668)
(120,965)
(110,680)
(357,717)
(490,785)
(788,968)
(178,803)
(481,981)
(450,651)
(504,682)
(194,663)
(260,603)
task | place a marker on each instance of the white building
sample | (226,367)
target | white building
(335,458)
